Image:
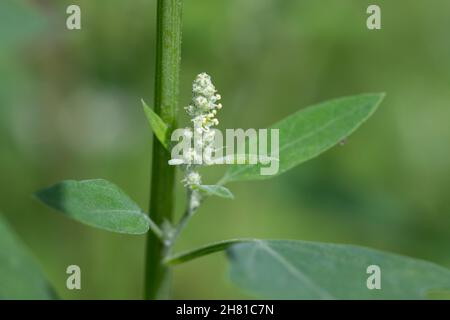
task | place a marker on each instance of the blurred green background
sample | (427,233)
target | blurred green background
(70,108)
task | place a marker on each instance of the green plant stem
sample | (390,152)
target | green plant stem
(168,54)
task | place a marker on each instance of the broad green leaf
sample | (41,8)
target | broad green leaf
(311,131)
(158,126)
(240,159)
(20,276)
(97,203)
(311,270)
(215,190)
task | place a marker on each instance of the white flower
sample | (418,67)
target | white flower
(190,109)
(201,103)
(192,179)
(203,86)
(208,137)
(204,96)
(198,122)
(189,156)
(187,133)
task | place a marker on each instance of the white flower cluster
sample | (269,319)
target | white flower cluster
(193,178)
(204,103)
(202,110)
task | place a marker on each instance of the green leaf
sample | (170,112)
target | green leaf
(242,159)
(97,203)
(215,190)
(20,276)
(158,126)
(309,270)
(311,131)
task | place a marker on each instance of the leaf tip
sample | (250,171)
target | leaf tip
(381,96)
(378,97)
(40,195)
(144,105)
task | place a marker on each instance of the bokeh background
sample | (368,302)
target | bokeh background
(70,108)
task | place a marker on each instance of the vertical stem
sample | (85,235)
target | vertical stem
(168,47)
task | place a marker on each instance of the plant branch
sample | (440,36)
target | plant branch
(203,250)
(188,213)
(156,230)
(180,227)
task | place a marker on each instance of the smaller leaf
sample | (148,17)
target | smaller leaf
(158,126)
(311,131)
(98,203)
(215,190)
